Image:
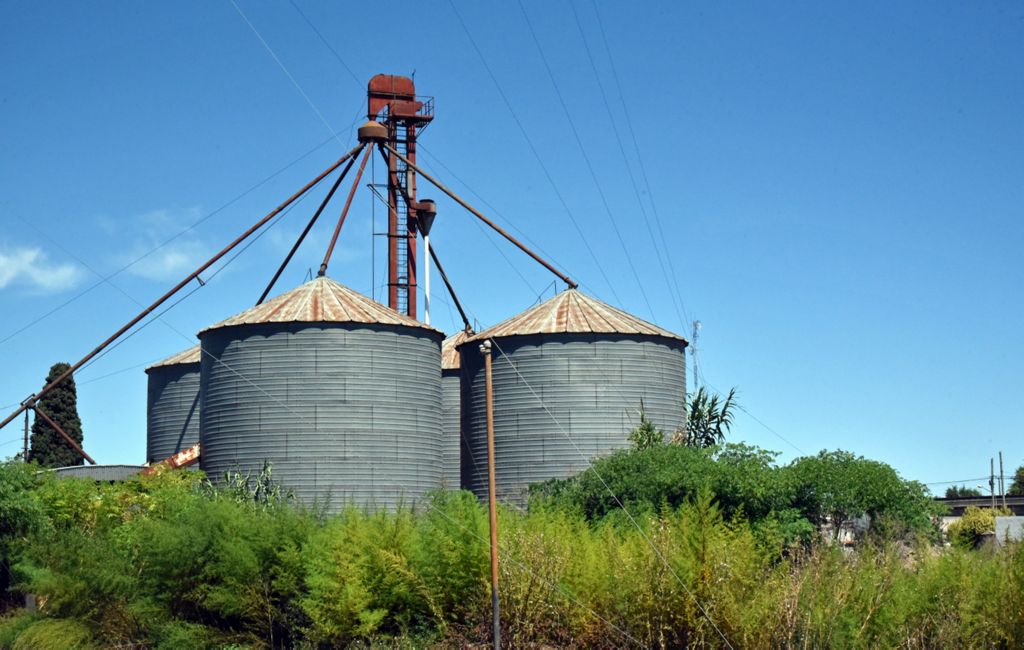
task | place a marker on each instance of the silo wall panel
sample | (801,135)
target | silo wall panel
(451,429)
(172,410)
(568,400)
(345,413)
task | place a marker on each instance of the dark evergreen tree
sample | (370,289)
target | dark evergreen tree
(49,448)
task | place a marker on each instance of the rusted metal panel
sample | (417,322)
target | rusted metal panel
(450,350)
(562,400)
(573,312)
(190,355)
(321,300)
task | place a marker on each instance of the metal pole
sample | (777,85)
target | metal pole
(451,289)
(426,280)
(563,277)
(63,434)
(344,213)
(1002,487)
(485,349)
(992,481)
(192,276)
(309,226)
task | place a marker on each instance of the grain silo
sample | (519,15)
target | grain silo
(339,393)
(571,367)
(172,405)
(451,408)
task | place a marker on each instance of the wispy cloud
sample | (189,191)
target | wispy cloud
(172,260)
(30,267)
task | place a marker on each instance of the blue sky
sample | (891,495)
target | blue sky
(839,188)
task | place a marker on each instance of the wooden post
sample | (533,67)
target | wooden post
(24,453)
(485,349)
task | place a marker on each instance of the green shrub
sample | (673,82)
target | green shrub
(967,531)
(55,634)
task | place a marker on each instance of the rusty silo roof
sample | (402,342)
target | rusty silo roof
(572,312)
(450,357)
(191,355)
(321,300)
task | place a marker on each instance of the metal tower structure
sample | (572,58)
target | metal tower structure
(392,101)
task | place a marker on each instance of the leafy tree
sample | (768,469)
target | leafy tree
(707,419)
(1017,487)
(838,487)
(961,491)
(49,448)
(646,435)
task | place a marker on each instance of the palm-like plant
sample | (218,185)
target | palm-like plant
(708,419)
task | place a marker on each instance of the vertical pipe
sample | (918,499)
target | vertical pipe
(992,480)
(426,279)
(1002,488)
(485,349)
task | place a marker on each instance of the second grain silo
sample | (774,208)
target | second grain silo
(172,405)
(451,408)
(570,377)
(340,394)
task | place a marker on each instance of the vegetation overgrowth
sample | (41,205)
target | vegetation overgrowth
(166,561)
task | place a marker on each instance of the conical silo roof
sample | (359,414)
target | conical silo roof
(321,300)
(573,312)
(450,357)
(191,355)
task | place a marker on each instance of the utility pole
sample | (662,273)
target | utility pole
(24,453)
(1002,486)
(693,353)
(485,350)
(992,480)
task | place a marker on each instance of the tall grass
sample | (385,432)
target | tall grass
(166,562)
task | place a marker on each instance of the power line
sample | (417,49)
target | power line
(636,146)
(165,242)
(536,154)
(286,72)
(586,159)
(324,41)
(680,310)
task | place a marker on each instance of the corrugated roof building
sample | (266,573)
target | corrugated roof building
(341,394)
(571,377)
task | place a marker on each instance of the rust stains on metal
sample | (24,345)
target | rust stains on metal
(191,355)
(321,300)
(572,312)
(450,357)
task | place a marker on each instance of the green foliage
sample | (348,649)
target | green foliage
(48,448)
(967,531)
(55,634)
(961,491)
(838,487)
(166,562)
(707,419)
(1017,487)
(646,434)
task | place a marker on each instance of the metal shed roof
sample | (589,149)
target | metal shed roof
(191,355)
(321,300)
(450,357)
(572,312)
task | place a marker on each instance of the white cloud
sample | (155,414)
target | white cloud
(172,260)
(30,267)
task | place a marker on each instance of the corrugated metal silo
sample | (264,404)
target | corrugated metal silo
(451,409)
(341,394)
(571,366)
(172,407)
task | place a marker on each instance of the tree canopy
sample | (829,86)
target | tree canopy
(708,419)
(1017,487)
(48,448)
